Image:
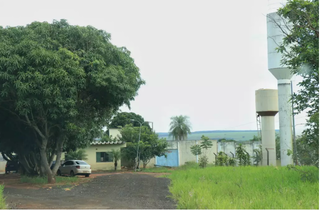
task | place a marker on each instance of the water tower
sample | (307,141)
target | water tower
(267,108)
(283,75)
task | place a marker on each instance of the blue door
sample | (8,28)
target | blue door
(171,160)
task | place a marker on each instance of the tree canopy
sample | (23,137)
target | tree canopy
(124,118)
(149,146)
(60,84)
(300,50)
(180,127)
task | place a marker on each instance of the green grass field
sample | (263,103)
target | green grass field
(2,200)
(245,188)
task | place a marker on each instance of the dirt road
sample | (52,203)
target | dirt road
(116,191)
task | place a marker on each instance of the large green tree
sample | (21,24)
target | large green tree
(63,82)
(148,147)
(300,50)
(180,127)
(124,118)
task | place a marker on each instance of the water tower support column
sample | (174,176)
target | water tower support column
(285,123)
(267,108)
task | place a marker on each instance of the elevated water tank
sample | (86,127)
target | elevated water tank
(267,102)
(277,27)
(267,108)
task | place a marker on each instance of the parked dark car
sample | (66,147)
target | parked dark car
(12,166)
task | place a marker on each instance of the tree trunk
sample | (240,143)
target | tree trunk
(45,165)
(25,165)
(58,153)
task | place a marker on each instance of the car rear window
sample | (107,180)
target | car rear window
(81,163)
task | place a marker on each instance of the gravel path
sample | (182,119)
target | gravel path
(115,191)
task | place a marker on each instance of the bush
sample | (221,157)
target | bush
(2,200)
(222,159)
(203,161)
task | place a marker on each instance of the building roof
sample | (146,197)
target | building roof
(106,142)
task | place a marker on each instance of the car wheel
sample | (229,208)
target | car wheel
(87,175)
(59,173)
(71,173)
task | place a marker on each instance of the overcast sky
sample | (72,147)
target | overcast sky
(203,59)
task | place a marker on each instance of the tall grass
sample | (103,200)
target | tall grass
(44,180)
(246,188)
(2,200)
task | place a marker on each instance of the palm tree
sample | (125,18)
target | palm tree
(116,158)
(180,127)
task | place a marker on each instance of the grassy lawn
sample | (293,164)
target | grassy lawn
(245,187)
(2,200)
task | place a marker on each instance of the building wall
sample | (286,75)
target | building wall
(114,133)
(93,149)
(185,154)
(2,164)
(150,164)
(227,147)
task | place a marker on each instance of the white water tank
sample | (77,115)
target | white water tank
(267,108)
(276,27)
(267,102)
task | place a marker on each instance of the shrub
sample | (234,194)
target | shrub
(2,200)
(222,159)
(203,161)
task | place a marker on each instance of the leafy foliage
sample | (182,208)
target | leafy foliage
(180,127)
(60,84)
(149,146)
(306,153)
(203,161)
(242,155)
(196,149)
(221,159)
(116,157)
(125,118)
(300,50)
(257,158)
(76,155)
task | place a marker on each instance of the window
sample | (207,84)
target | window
(81,163)
(104,157)
(69,163)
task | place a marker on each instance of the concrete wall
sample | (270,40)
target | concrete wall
(185,154)
(93,149)
(2,164)
(150,164)
(184,150)
(228,147)
(114,133)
